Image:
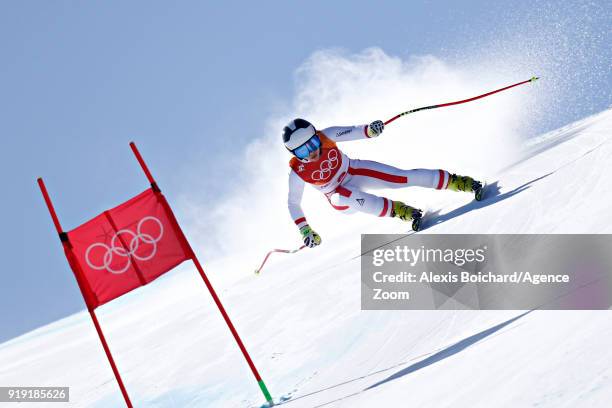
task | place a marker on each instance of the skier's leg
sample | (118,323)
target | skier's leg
(367,174)
(348,199)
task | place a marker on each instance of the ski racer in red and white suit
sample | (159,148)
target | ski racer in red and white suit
(344,181)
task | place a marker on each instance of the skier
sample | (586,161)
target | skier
(318,161)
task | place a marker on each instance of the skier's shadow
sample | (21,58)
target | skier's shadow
(447,352)
(434,358)
(492,196)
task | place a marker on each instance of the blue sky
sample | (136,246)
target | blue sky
(194,82)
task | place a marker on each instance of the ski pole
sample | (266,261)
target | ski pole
(533,79)
(283,251)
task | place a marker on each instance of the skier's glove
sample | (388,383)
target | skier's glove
(311,238)
(375,128)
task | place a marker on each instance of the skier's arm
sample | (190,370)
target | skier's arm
(296,190)
(346,133)
(294,200)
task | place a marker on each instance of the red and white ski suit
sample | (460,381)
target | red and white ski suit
(343,180)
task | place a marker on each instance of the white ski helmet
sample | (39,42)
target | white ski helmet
(297,132)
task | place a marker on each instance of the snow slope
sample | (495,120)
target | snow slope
(302,323)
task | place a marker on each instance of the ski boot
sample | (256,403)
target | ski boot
(407,213)
(467,184)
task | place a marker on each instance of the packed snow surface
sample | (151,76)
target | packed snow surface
(301,319)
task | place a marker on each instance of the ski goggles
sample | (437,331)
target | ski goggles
(312,145)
